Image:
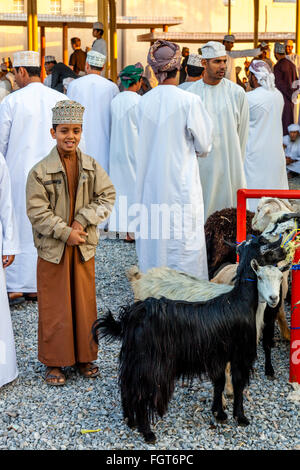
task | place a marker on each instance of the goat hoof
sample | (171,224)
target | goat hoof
(131,423)
(149,437)
(270,376)
(221,417)
(242,421)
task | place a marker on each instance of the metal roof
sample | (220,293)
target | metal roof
(76,21)
(205,37)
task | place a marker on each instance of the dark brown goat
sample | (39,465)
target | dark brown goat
(221,227)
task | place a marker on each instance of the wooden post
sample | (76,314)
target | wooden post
(29,25)
(229,16)
(298,27)
(103,18)
(256,20)
(65,44)
(35,34)
(43,52)
(113,39)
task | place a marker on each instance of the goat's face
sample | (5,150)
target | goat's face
(270,253)
(274,230)
(269,280)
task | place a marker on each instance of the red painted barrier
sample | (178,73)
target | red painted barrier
(242,196)
(295,322)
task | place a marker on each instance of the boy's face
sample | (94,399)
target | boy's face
(67,136)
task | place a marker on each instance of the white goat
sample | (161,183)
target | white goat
(269,210)
(226,276)
(176,285)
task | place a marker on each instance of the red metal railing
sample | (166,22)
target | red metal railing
(242,196)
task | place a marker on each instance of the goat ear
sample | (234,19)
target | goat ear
(254,265)
(287,217)
(286,267)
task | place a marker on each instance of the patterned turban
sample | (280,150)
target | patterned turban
(263,73)
(163,57)
(131,74)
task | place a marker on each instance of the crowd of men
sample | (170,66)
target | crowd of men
(149,158)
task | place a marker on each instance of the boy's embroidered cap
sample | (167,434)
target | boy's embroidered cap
(67,112)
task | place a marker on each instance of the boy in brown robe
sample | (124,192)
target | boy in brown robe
(68,194)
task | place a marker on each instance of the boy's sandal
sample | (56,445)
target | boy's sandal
(88,370)
(54,379)
(16,301)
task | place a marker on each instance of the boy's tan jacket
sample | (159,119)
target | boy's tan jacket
(47,200)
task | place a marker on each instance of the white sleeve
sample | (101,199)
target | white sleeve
(243,127)
(245,53)
(10,241)
(286,140)
(5,126)
(200,126)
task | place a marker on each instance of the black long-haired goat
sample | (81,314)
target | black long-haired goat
(163,340)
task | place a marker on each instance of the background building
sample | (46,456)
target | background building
(198,16)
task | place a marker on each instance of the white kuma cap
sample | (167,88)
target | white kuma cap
(26,59)
(229,37)
(195,60)
(212,50)
(95,58)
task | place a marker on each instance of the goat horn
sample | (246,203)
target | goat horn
(286,267)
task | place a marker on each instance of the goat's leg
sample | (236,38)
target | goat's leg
(239,383)
(283,324)
(268,335)
(228,384)
(143,423)
(217,407)
(128,414)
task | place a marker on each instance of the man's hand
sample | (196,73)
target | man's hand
(76,237)
(7,260)
(289,160)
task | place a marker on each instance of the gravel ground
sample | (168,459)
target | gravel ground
(36,416)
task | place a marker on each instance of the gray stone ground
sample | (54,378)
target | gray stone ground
(36,416)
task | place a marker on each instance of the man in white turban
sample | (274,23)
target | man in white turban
(173,127)
(295,58)
(95,93)
(222,172)
(228,42)
(265,166)
(291,143)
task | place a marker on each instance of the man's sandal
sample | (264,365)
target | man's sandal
(54,379)
(88,370)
